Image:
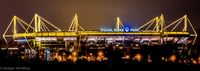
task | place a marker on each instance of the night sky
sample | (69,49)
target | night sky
(94,14)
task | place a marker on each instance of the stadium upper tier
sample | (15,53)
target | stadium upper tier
(98,33)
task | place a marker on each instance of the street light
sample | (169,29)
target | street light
(138,57)
(74,53)
(173,58)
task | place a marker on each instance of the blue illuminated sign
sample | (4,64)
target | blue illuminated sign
(126,29)
(21,40)
(120,30)
(134,30)
(106,29)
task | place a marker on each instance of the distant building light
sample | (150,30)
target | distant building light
(100,53)
(138,57)
(173,58)
(3,48)
(136,45)
(74,53)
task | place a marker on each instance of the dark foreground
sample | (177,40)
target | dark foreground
(14,62)
(81,65)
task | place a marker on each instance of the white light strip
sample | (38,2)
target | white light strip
(46,39)
(69,38)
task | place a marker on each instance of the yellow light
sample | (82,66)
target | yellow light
(74,53)
(74,59)
(69,57)
(100,56)
(100,53)
(64,53)
(58,57)
(194,62)
(138,57)
(173,58)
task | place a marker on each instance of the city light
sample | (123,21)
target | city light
(100,53)
(163,58)
(74,53)
(138,57)
(173,58)
(127,56)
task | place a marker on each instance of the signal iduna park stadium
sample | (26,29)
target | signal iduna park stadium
(40,36)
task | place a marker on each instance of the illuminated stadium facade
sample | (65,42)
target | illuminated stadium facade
(37,34)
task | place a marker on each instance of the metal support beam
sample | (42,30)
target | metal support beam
(185,23)
(157,24)
(36,25)
(117,24)
(162,24)
(76,22)
(15,24)
(39,24)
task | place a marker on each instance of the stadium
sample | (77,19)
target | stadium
(49,42)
